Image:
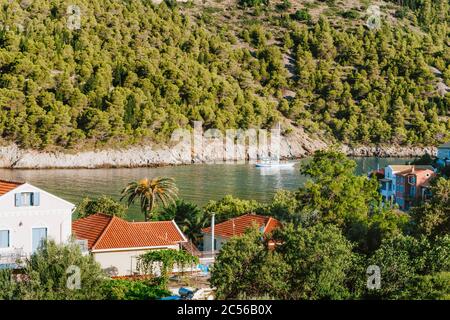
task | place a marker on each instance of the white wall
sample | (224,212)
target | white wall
(53,213)
(390,174)
(207,244)
(124,261)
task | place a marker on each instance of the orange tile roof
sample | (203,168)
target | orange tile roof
(104,232)
(91,227)
(7,186)
(238,225)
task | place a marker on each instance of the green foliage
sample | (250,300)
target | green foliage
(319,260)
(426,159)
(8,287)
(164,261)
(433,217)
(116,84)
(122,289)
(336,195)
(149,192)
(405,262)
(429,287)
(188,216)
(302,15)
(46,275)
(104,204)
(245,267)
(371,87)
(309,263)
(230,207)
(350,14)
(253,3)
(333,229)
(284,207)
(284,5)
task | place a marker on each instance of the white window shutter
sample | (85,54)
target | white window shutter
(18,200)
(36,198)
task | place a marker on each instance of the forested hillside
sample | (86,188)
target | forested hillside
(134,70)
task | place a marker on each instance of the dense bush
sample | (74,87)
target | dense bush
(50,274)
(302,15)
(122,289)
(103,204)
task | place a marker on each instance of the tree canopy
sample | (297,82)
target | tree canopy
(110,83)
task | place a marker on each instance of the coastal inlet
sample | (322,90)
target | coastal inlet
(197,183)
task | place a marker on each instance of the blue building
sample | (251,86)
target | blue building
(443,154)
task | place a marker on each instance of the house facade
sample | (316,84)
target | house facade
(388,183)
(116,243)
(393,191)
(236,227)
(412,186)
(29,216)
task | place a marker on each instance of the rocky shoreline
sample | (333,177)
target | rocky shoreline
(389,151)
(294,147)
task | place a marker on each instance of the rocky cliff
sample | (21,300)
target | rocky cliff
(296,145)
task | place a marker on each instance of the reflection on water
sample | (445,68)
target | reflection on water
(197,183)
(277,174)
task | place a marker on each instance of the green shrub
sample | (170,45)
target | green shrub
(350,14)
(104,204)
(302,15)
(122,289)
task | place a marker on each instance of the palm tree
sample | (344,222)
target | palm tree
(149,192)
(188,216)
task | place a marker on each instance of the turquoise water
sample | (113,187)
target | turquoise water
(197,183)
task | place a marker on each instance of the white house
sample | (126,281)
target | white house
(29,215)
(116,243)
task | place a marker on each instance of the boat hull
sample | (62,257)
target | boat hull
(275,165)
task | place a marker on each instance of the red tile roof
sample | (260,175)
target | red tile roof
(415,171)
(91,227)
(104,232)
(7,186)
(237,226)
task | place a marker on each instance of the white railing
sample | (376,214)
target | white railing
(13,257)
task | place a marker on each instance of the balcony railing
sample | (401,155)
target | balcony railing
(13,258)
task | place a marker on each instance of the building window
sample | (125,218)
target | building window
(39,237)
(4,238)
(412,180)
(27,199)
(412,191)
